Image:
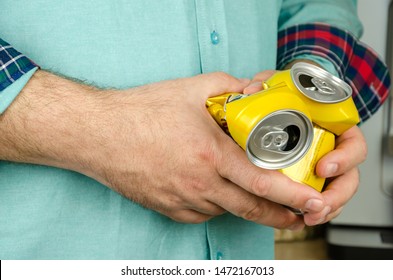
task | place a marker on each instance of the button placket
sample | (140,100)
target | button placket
(212,31)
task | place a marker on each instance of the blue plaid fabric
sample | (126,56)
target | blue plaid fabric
(355,62)
(13,65)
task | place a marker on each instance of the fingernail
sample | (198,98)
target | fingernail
(314,205)
(331,169)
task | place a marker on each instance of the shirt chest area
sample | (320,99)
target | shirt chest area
(128,43)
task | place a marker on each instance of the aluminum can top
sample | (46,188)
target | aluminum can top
(280,139)
(318,84)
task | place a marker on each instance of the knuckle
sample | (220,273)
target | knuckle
(197,185)
(207,153)
(287,223)
(219,212)
(260,185)
(256,213)
(364,152)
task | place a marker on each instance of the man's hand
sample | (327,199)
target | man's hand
(156,145)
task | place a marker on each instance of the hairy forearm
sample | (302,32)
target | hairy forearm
(46,122)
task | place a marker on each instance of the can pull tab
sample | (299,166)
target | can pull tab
(321,86)
(275,140)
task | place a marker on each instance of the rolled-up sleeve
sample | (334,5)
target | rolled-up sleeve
(334,44)
(15,71)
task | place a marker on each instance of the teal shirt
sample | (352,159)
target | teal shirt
(50,213)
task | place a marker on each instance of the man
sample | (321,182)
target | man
(121,160)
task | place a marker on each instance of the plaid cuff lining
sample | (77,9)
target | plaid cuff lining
(13,65)
(356,63)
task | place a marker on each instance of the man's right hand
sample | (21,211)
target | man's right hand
(156,145)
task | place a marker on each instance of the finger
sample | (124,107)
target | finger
(350,151)
(188,216)
(337,194)
(269,184)
(325,218)
(252,208)
(190,201)
(213,84)
(263,76)
(333,215)
(253,88)
(256,83)
(340,190)
(206,207)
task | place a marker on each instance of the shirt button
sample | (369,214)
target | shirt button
(219,256)
(214,37)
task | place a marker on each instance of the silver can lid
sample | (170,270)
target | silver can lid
(318,84)
(280,139)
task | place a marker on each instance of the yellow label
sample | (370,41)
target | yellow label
(304,170)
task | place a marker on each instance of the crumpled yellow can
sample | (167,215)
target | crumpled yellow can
(291,123)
